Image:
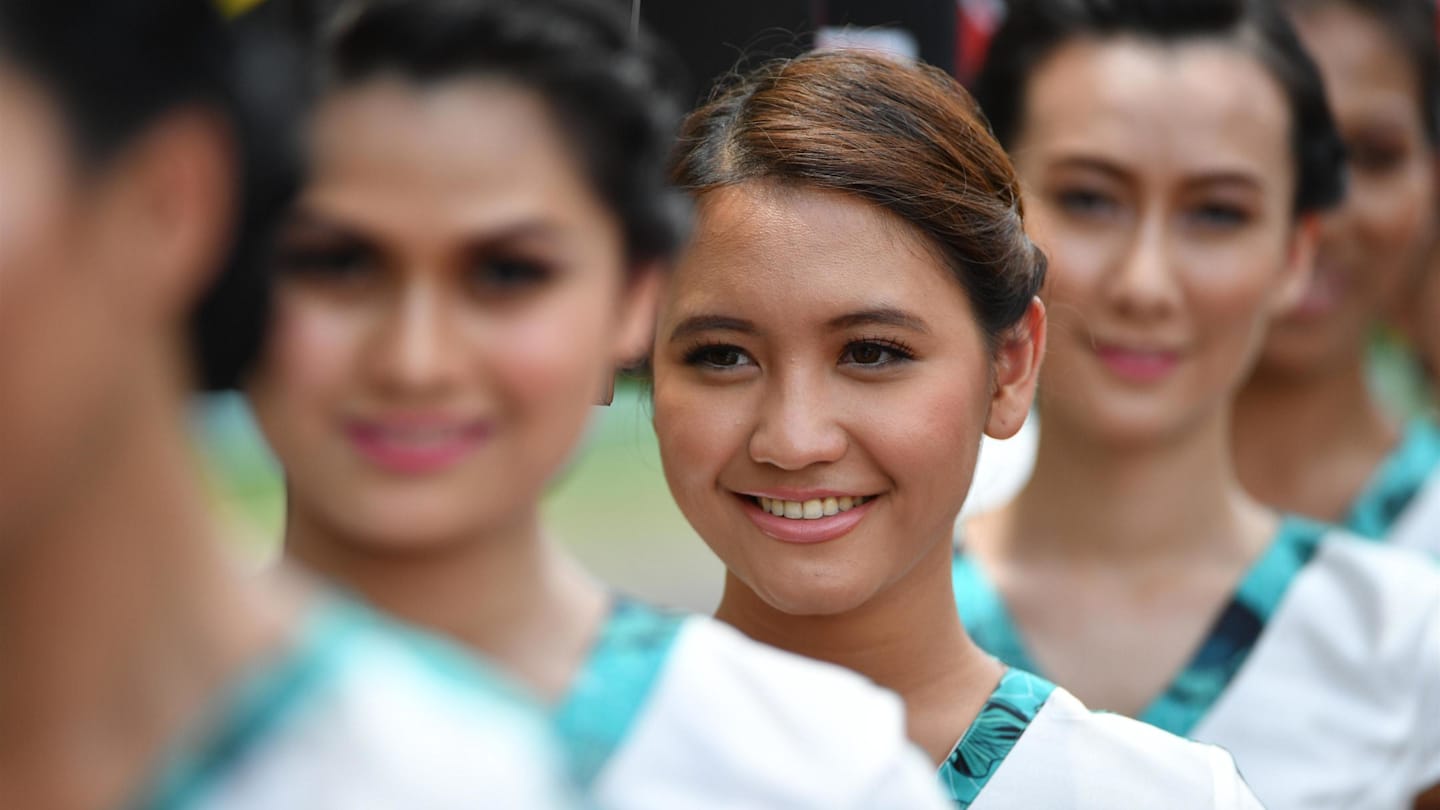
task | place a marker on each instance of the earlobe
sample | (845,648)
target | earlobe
(641,298)
(1017,372)
(638,313)
(1300,264)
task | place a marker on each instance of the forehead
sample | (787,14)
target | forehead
(455,154)
(792,254)
(1365,69)
(1179,109)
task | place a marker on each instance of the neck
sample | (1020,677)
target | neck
(119,621)
(1284,424)
(908,639)
(1155,503)
(510,594)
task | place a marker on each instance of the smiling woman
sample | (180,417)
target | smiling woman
(857,307)
(1176,158)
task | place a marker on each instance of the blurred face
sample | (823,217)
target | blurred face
(821,386)
(63,297)
(1163,198)
(453,298)
(1377,239)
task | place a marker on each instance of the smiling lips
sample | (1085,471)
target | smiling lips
(814,519)
(1138,365)
(416,446)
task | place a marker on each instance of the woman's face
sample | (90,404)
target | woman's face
(452,299)
(1163,197)
(821,386)
(1373,244)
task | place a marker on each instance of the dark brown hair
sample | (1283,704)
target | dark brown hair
(904,137)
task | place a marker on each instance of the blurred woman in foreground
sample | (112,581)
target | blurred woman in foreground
(140,666)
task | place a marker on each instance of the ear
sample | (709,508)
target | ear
(639,302)
(1017,371)
(171,198)
(1299,264)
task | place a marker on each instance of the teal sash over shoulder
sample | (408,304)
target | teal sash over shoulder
(1007,714)
(611,690)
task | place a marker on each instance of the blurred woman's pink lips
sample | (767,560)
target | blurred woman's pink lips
(803,531)
(1139,365)
(416,446)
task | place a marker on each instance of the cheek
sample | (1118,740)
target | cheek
(925,435)
(1390,211)
(310,361)
(553,356)
(701,430)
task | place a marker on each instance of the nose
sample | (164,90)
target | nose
(416,352)
(797,425)
(1145,284)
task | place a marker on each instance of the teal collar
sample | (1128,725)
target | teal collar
(256,706)
(612,687)
(1008,712)
(1396,481)
(1231,639)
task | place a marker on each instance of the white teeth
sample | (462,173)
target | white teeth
(813,509)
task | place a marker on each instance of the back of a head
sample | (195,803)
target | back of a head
(115,68)
(1035,29)
(615,93)
(904,137)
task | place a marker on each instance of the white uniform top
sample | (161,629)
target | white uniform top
(1061,756)
(1401,502)
(361,715)
(685,712)
(1321,676)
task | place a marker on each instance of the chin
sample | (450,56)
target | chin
(811,593)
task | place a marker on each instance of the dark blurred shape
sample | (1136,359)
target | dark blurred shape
(116,68)
(712,36)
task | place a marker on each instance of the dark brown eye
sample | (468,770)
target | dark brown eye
(508,275)
(718,356)
(875,354)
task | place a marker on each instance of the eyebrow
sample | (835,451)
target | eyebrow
(303,218)
(1093,164)
(883,316)
(697,324)
(1238,177)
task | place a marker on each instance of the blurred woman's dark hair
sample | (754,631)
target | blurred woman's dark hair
(904,137)
(1411,26)
(1035,29)
(115,68)
(616,94)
